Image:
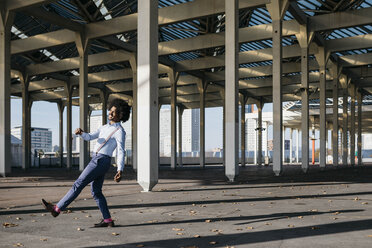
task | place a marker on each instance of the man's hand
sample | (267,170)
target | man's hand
(79,131)
(117,177)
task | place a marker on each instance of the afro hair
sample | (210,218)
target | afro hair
(122,108)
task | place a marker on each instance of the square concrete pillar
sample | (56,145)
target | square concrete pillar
(359,144)
(352,125)
(61,107)
(82,45)
(322,62)
(277,9)
(147,95)
(68,92)
(26,123)
(6,20)
(345,127)
(180,113)
(173,77)
(231,88)
(133,65)
(335,73)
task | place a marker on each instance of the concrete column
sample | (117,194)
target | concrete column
(173,77)
(147,95)
(243,100)
(104,97)
(6,21)
(304,40)
(61,107)
(360,98)
(202,86)
(224,131)
(290,145)
(255,145)
(222,94)
(283,143)
(180,113)
(352,125)
(335,115)
(133,65)
(344,127)
(297,145)
(82,45)
(277,9)
(28,133)
(322,61)
(69,90)
(231,88)
(259,108)
(26,158)
(267,135)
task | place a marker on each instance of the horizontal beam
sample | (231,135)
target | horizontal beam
(110,57)
(338,20)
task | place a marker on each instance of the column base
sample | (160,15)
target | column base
(147,186)
(277,172)
(232,178)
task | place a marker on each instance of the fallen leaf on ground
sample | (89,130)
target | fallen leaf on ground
(18,218)
(364,203)
(140,245)
(250,227)
(314,227)
(44,239)
(177,229)
(356,199)
(180,234)
(336,213)
(115,234)
(291,225)
(314,210)
(18,245)
(370,236)
(197,236)
(212,242)
(7,224)
(80,229)
(239,229)
(208,221)
(300,217)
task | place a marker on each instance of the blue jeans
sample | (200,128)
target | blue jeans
(94,173)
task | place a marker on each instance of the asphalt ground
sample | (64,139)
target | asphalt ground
(194,207)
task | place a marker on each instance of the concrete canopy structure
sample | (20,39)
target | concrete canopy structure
(83,52)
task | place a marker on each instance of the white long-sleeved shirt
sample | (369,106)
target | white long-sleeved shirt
(117,140)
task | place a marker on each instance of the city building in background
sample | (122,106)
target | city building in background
(41,138)
(190,132)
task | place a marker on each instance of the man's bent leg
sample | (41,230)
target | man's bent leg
(96,188)
(99,197)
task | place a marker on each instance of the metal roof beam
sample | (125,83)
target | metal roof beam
(54,19)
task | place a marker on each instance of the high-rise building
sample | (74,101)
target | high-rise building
(190,131)
(41,138)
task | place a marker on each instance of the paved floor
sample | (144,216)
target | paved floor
(195,208)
